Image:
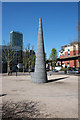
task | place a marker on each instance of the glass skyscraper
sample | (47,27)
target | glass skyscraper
(16,40)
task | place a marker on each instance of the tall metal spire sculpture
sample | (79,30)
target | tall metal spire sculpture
(40,75)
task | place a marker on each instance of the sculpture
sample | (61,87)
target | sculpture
(40,75)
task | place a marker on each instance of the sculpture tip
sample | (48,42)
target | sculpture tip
(40,18)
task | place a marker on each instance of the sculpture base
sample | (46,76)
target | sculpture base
(38,77)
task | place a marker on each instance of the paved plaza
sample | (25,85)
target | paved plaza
(58,98)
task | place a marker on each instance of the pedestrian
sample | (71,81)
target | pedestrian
(16,69)
(65,71)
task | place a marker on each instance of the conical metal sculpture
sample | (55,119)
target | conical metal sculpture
(40,75)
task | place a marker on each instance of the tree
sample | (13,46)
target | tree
(53,57)
(29,57)
(8,55)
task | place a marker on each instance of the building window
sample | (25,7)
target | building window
(68,54)
(68,45)
(67,64)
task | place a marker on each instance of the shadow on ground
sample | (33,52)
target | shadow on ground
(53,80)
(3,95)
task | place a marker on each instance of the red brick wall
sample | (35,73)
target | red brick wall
(77,52)
(72,53)
(77,63)
(66,54)
(71,62)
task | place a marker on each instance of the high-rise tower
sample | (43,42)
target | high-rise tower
(16,40)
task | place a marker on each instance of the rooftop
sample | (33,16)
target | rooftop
(15,32)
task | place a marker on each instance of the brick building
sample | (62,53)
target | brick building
(71,50)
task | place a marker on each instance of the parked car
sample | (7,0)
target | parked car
(74,71)
(58,68)
(78,70)
(54,70)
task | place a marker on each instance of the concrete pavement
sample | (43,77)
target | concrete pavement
(56,99)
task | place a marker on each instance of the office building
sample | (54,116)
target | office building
(16,40)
